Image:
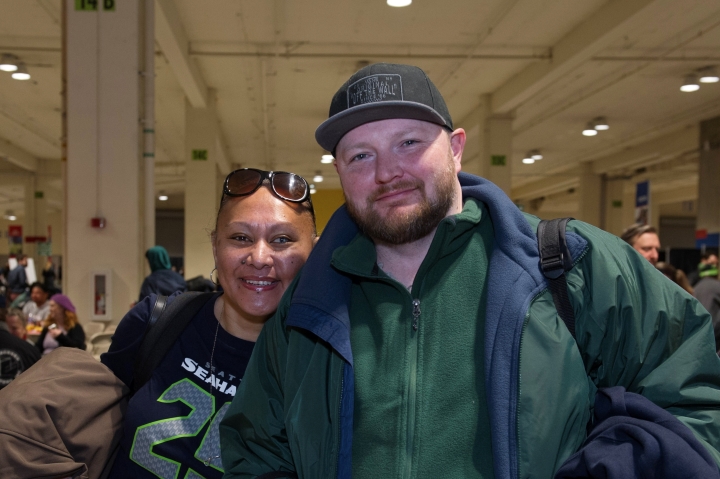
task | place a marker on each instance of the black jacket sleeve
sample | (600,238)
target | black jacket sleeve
(74,338)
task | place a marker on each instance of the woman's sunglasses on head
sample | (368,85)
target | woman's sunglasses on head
(286,186)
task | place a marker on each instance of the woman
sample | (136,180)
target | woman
(61,327)
(264,232)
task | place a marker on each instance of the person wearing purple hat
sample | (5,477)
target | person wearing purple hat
(61,327)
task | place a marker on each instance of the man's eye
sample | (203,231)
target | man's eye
(361,156)
(409,142)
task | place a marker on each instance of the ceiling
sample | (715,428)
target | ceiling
(274,65)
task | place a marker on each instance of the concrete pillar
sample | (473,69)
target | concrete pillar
(590,198)
(708,211)
(498,151)
(494,133)
(202,188)
(615,203)
(103,176)
(30,219)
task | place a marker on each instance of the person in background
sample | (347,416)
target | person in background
(38,308)
(645,240)
(48,274)
(16,355)
(61,328)
(677,276)
(708,266)
(163,280)
(264,232)
(17,279)
(17,324)
(707,291)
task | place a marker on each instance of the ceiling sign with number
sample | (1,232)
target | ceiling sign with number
(92,5)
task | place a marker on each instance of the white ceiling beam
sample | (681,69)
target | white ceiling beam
(222,157)
(174,43)
(577,47)
(676,195)
(548,185)
(651,152)
(17,156)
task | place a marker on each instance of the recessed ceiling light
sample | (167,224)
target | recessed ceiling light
(163,197)
(318,178)
(709,75)
(601,123)
(21,73)
(12,217)
(535,155)
(528,161)
(8,63)
(326,159)
(399,3)
(590,130)
(312,189)
(690,84)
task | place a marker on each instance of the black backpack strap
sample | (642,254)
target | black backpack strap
(164,327)
(555,259)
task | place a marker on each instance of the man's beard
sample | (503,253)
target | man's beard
(406,227)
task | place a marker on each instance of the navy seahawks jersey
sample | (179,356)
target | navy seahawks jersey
(171,425)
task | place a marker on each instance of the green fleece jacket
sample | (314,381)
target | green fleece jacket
(634,328)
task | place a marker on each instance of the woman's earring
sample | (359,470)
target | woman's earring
(211,278)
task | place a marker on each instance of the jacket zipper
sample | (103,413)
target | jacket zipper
(412,390)
(339,427)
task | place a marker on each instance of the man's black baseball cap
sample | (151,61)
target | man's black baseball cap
(382,91)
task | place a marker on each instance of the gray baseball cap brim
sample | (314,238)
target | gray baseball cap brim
(331,131)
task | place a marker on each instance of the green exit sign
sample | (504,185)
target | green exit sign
(498,160)
(92,5)
(199,155)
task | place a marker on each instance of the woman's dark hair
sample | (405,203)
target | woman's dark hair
(305,205)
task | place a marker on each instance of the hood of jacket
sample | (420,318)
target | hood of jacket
(158,258)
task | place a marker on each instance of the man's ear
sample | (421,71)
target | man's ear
(457,146)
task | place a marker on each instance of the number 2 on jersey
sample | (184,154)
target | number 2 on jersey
(202,406)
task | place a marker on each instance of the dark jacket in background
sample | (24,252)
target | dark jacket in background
(162,280)
(74,338)
(17,279)
(707,291)
(16,356)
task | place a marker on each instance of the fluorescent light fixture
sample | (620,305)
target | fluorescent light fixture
(318,178)
(8,63)
(690,84)
(535,155)
(709,75)
(21,73)
(528,161)
(601,123)
(163,197)
(327,159)
(312,189)
(12,217)
(399,3)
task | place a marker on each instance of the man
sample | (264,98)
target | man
(17,279)
(707,291)
(420,340)
(38,308)
(17,324)
(16,355)
(708,266)
(162,280)
(645,240)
